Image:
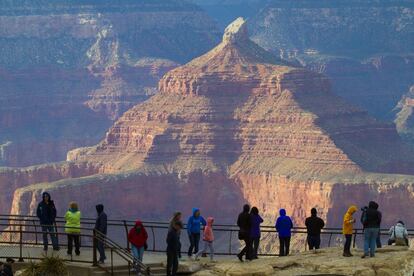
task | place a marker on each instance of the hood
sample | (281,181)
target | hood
(138,223)
(400,224)
(282,212)
(46,194)
(352,209)
(73,210)
(99,208)
(246,208)
(210,221)
(373,205)
(195,210)
(314,212)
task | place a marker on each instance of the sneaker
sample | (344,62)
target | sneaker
(240,257)
(101,262)
(372,255)
(363,256)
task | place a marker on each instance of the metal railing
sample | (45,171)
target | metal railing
(22,232)
(226,242)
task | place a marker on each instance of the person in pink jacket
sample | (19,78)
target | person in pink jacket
(208,238)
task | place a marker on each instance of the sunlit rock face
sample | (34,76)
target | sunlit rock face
(68,70)
(236,125)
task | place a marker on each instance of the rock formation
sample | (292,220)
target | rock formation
(239,124)
(69,69)
(364,47)
(404,118)
(388,261)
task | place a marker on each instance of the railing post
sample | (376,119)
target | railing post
(112,262)
(153,238)
(329,241)
(94,245)
(355,235)
(21,244)
(35,229)
(230,241)
(126,232)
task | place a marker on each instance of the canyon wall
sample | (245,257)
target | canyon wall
(69,69)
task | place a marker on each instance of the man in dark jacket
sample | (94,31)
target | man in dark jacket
(372,223)
(173,247)
(101,225)
(46,212)
(284,227)
(244,223)
(314,225)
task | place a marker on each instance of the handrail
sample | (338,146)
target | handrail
(20,229)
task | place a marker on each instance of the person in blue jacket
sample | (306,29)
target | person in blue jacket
(284,226)
(193,229)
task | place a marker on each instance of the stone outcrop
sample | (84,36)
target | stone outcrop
(388,261)
(404,119)
(68,70)
(239,124)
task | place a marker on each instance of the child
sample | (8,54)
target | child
(347,229)
(173,246)
(208,238)
(72,227)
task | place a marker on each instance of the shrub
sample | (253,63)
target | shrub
(48,266)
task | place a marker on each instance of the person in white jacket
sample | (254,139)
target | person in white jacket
(398,234)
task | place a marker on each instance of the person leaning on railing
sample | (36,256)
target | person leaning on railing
(72,227)
(46,212)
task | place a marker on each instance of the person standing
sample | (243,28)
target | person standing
(371,229)
(101,226)
(208,238)
(244,224)
(46,212)
(138,237)
(284,227)
(177,219)
(398,234)
(255,221)
(194,229)
(314,225)
(173,246)
(72,227)
(348,229)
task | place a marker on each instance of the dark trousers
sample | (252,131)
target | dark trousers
(51,230)
(73,238)
(314,242)
(256,242)
(284,246)
(101,249)
(194,242)
(172,263)
(247,249)
(348,241)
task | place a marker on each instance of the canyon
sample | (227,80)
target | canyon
(68,70)
(237,124)
(364,47)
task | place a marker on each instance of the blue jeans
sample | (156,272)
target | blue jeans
(370,240)
(137,252)
(51,230)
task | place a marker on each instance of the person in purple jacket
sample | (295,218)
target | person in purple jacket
(255,221)
(284,226)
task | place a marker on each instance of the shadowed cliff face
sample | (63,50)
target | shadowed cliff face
(69,69)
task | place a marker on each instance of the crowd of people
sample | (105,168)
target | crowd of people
(198,228)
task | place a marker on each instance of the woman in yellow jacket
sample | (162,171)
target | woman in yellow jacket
(348,229)
(72,227)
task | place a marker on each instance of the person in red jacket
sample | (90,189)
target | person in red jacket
(138,238)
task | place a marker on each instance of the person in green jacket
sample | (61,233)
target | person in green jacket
(72,227)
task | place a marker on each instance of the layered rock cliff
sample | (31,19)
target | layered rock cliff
(365,47)
(69,69)
(234,125)
(404,119)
